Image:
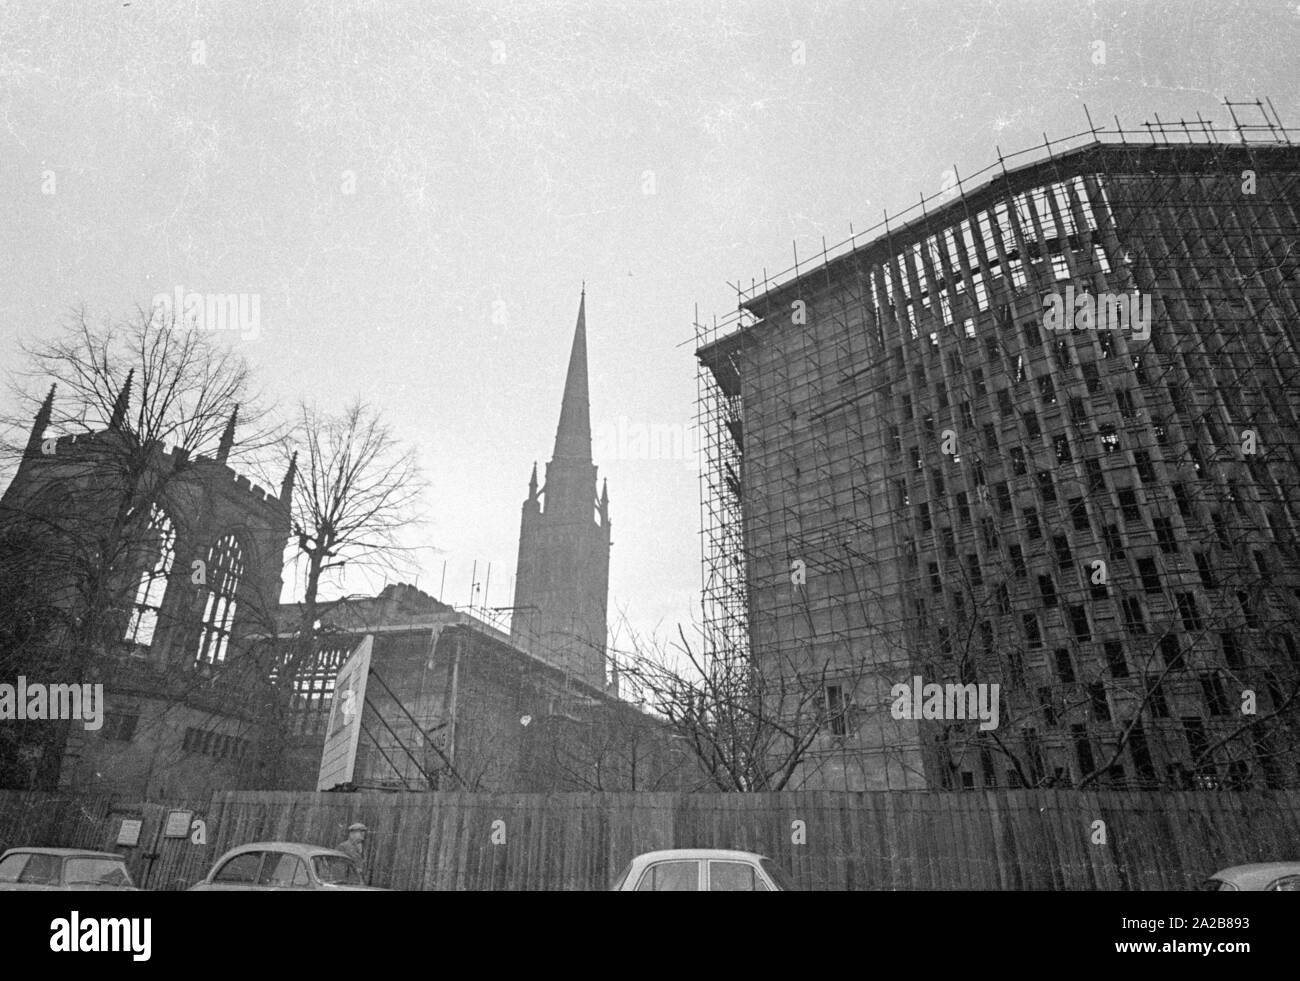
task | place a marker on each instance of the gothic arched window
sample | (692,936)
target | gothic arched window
(225,567)
(153,580)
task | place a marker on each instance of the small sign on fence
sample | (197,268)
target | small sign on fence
(178,824)
(129,833)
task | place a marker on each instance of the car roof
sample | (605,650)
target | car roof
(61,853)
(689,853)
(292,847)
(1257,873)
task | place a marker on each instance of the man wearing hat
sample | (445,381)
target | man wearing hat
(355,846)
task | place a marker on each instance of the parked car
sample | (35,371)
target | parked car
(1260,877)
(269,865)
(50,869)
(703,870)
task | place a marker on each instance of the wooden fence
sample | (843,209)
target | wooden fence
(93,821)
(1020,839)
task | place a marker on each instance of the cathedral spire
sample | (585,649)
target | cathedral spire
(286,485)
(562,577)
(573,435)
(40,423)
(123,403)
(227,437)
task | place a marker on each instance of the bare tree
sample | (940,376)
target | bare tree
(357,490)
(750,730)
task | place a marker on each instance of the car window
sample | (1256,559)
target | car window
(734,877)
(41,870)
(679,876)
(242,868)
(1289,883)
(89,871)
(335,870)
(278,869)
(12,866)
(778,875)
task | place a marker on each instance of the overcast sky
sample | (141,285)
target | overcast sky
(499,154)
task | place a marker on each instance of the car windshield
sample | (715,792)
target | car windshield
(11,866)
(41,870)
(102,872)
(778,875)
(335,870)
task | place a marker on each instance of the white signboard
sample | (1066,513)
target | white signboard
(178,824)
(339,756)
(129,833)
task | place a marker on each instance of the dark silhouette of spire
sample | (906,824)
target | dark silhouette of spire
(40,424)
(573,435)
(123,403)
(227,437)
(286,485)
(562,577)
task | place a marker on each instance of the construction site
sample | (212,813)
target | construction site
(909,474)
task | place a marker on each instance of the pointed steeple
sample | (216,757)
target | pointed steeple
(562,577)
(227,437)
(604,502)
(123,403)
(573,435)
(286,485)
(40,424)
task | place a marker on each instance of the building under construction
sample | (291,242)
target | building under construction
(911,477)
(453,704)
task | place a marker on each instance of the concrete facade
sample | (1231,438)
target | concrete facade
(915,477)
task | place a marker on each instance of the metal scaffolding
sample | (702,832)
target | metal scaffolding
(895,448)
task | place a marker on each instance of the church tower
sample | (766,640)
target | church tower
(562,579)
